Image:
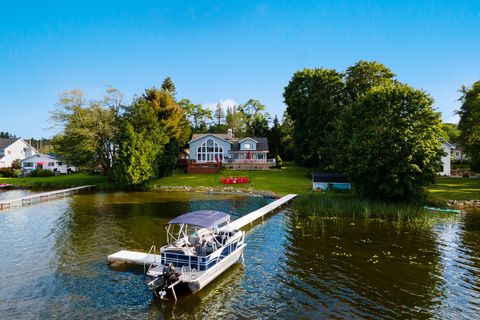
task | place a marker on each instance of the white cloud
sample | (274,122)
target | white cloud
(226,103)
(453,119)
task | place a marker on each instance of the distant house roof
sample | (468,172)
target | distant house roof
(39,155)
(5,142)
(329,177)
(447,143)
(262,144)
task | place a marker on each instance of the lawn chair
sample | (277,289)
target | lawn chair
(224,180)
(245,180)
(232,181)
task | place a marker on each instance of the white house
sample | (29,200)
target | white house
(447,158)
(459,154)
(235,153)
(12,149)
(45,161)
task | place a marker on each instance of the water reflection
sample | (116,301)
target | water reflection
(54,263)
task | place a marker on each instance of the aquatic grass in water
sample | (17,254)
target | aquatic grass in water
(344,205)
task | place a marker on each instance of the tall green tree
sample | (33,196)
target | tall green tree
(255,117)
(469,123)
(169,86)
(452,133)
(235,120)
(286,148)
(88,131)
(392,146)
(363,76)
(314,101)
(219,114)
(198,115)
(174,120)
(274,137)
(141,142)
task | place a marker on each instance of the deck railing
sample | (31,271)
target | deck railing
(272,161)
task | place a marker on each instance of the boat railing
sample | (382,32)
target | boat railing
(200,263)
(154,249)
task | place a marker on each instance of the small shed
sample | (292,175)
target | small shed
(327,181)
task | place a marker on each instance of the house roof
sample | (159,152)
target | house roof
(247,138)
(5,142)
(329,177)
(447,143)
(197,136)
(39,155)
(262,144)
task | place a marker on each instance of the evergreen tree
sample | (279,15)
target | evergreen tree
(168,85)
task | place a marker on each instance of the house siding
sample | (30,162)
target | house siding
(252,142)
(195,144)
(17,150)
(446,160)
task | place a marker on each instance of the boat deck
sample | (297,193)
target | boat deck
(135,257)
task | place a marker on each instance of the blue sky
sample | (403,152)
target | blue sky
(223,51)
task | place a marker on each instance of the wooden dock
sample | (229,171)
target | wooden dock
(142,258)
(41,196)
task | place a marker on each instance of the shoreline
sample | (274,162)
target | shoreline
(218,190)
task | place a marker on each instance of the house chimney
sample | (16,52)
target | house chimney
(229,134)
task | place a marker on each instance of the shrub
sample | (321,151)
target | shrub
(6,172)
(278,161)
(40,173)
(44,173)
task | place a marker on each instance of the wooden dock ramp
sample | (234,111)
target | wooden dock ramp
(142,258)
(42,196)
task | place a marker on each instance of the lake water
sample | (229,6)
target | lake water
(53,263)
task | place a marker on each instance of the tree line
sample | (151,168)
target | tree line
(382,133)
(134,143)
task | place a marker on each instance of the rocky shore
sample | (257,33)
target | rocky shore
(461,204)
(219,189)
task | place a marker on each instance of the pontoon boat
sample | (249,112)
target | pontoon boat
(200,246)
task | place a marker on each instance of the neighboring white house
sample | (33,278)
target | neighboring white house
(45,161)
(233,152)
(12,149)
(459,154)
(447,158)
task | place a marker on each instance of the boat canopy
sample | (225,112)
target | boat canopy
(203,218)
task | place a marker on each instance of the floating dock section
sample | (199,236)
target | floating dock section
(136,257)
(41,196)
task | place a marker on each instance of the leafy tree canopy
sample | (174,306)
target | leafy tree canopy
(469,123)
(392,146)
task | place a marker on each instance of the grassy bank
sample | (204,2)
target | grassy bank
(58,182)
(455,189)
(291,179)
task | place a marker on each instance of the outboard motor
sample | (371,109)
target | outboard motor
(160,284)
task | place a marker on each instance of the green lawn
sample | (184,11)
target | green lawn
(456,189)
(62,181)
(291,179)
